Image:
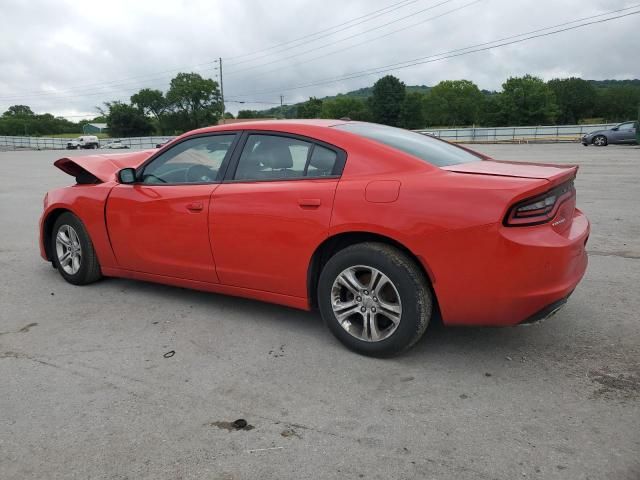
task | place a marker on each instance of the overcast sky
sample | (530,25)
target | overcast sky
(66,57)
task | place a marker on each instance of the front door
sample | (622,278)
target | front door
(160,225)
(273,211)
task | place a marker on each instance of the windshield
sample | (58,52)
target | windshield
(424,147)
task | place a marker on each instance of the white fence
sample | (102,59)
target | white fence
(558,133)
(46,143)
(552,133)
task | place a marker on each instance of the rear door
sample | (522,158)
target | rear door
(272,211)
(160,225)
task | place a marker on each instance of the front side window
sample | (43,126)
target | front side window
(197,160)
(625,127)
(271,157)
(430,150)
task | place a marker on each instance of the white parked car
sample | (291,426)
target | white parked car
(116,144)
(83,141)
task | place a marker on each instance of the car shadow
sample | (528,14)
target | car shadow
(438,342)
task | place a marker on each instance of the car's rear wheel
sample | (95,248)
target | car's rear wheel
(72,252)
(374,299)
(600,141)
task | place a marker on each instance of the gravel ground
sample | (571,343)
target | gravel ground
(86,391)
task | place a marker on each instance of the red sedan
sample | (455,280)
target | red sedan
(377,227)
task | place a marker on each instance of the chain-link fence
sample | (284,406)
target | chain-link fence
(556,133)
(46,143)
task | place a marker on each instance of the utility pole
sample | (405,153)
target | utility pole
(221,88)
(282,106)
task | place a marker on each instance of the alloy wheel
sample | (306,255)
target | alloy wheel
(68,249)
(366,303)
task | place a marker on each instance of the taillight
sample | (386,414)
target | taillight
(539,209)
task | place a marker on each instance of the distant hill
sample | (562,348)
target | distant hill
(362,93)
(289,111)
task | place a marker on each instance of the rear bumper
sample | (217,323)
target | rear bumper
(547,312)
(527,273)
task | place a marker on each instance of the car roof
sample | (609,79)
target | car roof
(267,124)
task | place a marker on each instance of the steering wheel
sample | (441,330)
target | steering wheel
(199,173)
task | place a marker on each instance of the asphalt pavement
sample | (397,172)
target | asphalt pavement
(89,388)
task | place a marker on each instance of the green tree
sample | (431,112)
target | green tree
(618,103)
(412,114)
(249,114)
(153,103)
(127,121)
(345,107)
(491,113)
(527,101)
(309,109)
(576,98)
(194,100)
(386,100)
(454,103)
(18,111)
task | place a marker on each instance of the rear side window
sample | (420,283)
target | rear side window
(431,150)
(272,157)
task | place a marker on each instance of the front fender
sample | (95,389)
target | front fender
(87,202)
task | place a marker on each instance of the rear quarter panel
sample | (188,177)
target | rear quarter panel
(449,221)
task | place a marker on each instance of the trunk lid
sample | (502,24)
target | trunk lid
(102,167)
(555,174)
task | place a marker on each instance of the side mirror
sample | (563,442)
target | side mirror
(615,129)
(127,175)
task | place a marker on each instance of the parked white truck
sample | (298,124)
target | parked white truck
(83,141)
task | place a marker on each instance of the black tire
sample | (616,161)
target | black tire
(409,282)
(600,138)
(89,270)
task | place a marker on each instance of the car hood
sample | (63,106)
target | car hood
(553,173)
(103,167)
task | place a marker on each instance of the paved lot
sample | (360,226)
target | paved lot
(85,391)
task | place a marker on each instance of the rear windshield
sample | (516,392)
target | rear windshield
(428,149)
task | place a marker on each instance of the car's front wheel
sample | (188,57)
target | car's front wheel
(600,141)
(72,251)
(374,299)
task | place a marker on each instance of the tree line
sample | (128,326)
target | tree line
(192,101)
(526,100)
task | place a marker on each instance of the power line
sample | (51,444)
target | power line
(498,40)
(431,7)
(348,47)
(373,15)
(450,54)
(73,93)
(117,84)
(154,75)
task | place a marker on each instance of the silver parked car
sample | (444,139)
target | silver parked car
(622,133)
(116,144)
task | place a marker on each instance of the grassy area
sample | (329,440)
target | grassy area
(76,135)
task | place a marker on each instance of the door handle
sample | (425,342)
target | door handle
(195,207)
(309,202)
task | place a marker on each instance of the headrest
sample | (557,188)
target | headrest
(273,154)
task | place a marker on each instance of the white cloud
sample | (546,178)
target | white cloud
(66,57)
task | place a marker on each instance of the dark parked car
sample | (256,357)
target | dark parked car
(623,133)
